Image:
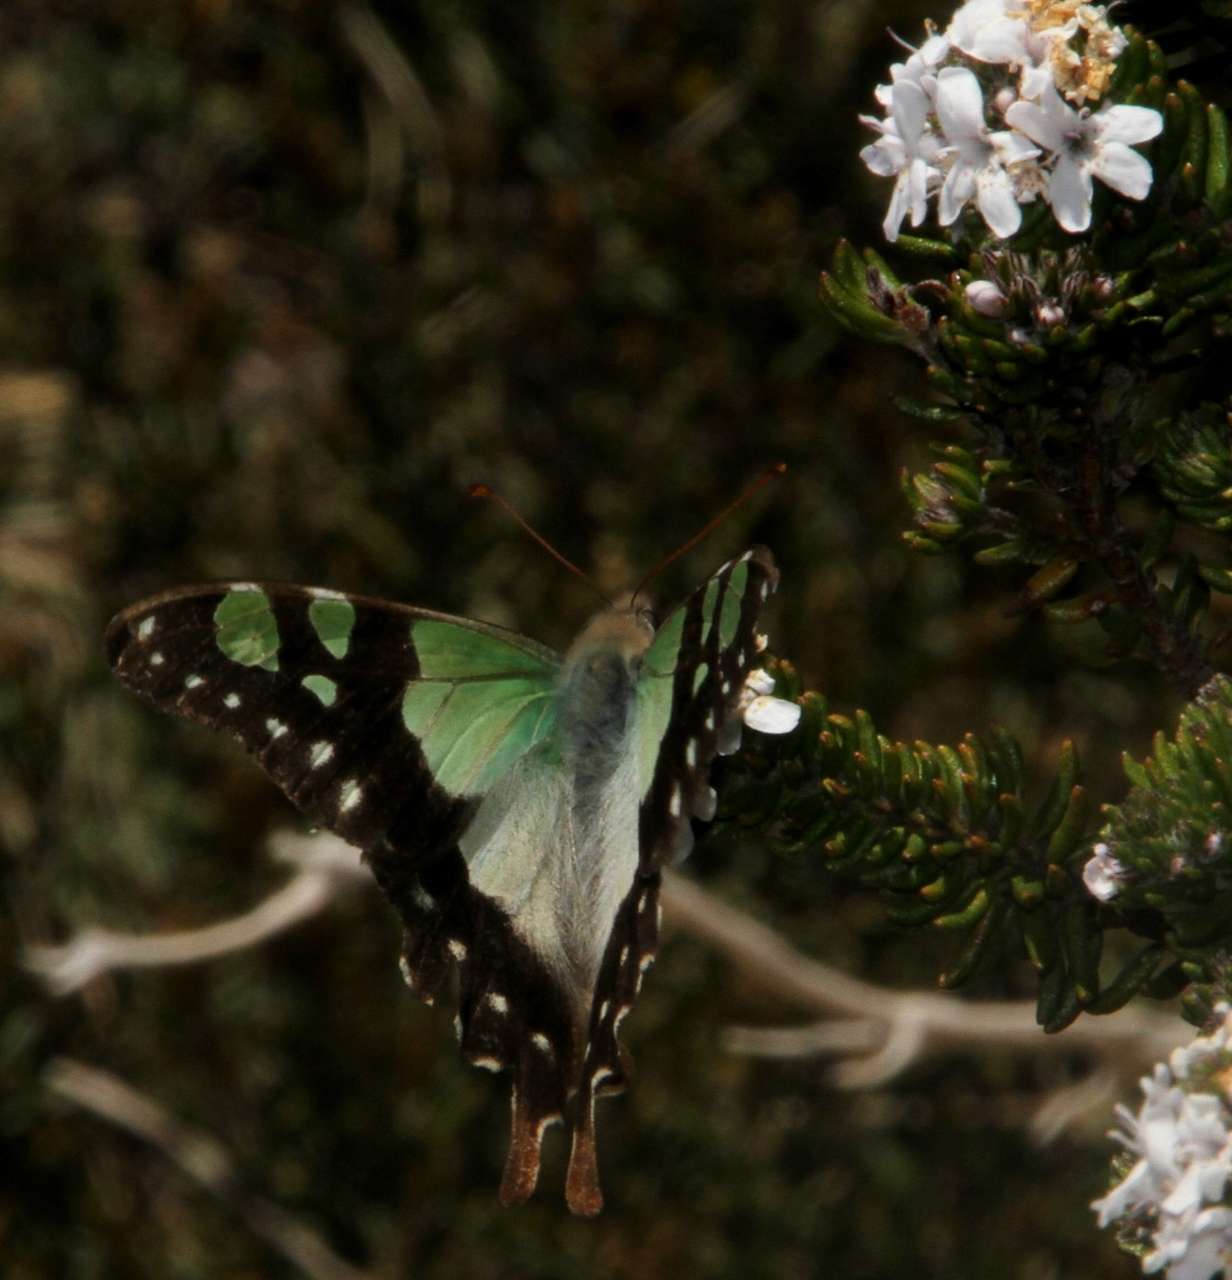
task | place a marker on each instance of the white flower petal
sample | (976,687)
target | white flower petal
(1069,193)
(996,203)
(1034,81)
(767,714)
(1102,873)
(960,104)
(1012,148)
(918,176)
(900,202)
(884,158)
(1037,123)
(1123,170)
(1128,124)
(958,188)
(1002,43)
(911,108)
(759,681)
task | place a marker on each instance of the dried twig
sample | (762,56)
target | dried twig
(395,79)
(325,866)
(877,1032)
(203,1158)
(890,1028)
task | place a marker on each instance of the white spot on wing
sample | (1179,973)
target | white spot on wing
(457,948)
(157,659)
(405,966)
(145,628)
(760,642)
(276,728)
(690,754)
(645,962)
(624,956)
(349,795)
(193,682)
(705,803)
(673,805)
(486,1063)
(541,1042)
(497,1002)
(322,753)
(232,700)
(422,898)
(603,1008)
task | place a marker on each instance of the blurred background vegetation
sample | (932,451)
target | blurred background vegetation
(278,279)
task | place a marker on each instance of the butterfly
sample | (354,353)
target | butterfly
(516,805)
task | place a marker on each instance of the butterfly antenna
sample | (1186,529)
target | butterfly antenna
(772,472)
(486,491)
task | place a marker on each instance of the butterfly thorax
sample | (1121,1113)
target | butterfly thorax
(597,693)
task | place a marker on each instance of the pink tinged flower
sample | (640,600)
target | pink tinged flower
(1085,147)
(1102,874)
(907,151)
(978,157)
(985,298)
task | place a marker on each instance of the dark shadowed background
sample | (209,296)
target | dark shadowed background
(278,279)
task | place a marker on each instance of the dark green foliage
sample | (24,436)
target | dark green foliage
(949,839)
(1173,832)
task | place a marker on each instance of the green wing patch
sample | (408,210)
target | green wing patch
(480,703)
(247,631)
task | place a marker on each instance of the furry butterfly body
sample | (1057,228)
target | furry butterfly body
(515,805)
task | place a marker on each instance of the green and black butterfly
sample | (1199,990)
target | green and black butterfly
(516,806)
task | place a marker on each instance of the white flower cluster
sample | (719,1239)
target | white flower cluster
(1182,1136)
(1031,56)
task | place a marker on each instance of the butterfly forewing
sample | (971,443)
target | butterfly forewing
(322,689)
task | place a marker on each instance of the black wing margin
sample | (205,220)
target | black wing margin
(343,754)
(713,660)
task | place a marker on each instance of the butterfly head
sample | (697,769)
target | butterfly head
(621,634)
